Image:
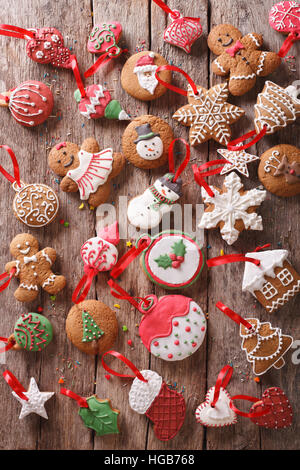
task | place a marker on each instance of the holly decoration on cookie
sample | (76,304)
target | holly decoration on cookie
(91,331)
(100,416)
(175,258)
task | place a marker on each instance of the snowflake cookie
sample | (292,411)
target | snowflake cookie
(232,209)
(209,115)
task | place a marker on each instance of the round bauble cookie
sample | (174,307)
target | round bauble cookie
(138,76)
(32,332)
(146,141)
(279,170)
(92,327)
(36,205)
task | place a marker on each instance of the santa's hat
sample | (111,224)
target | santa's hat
(145,63)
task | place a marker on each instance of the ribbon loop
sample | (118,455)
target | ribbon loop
(171,158)
(127,362)
(8,346)
(199,174)
(15,31)
(119,293)
(84,284)
(102,60)
(233,315)
(259,248)
(81,402)
(234,144)
(129,256)
(8,176)
(222,381)
(234,258)
(4,276)
(76,72)
(288,43)
(252,400)
(14,384)
(164,7)
(173,68)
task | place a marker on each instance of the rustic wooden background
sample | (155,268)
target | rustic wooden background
(143,24)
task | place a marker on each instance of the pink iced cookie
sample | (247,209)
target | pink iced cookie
(284,17)
(104,38)
(47,47)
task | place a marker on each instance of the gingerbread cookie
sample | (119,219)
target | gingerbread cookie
(274,282)
(86,169)
(237,160)
(279,170)
(146,141)
(33,268)
(208,114)
(32,332)
(240,58)
(92,327)
(276,107)
(173,260)
(138,76)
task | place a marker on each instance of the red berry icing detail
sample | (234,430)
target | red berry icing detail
(180,258)
(176,342)
(203,328)
(156,343)
(172,256)
(175,323)
(176,264)
(194,345)
(188,328)
(170,356)
(194,309)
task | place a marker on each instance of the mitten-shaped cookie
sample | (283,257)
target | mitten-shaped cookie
(86,169)
(33,268)
(240,58)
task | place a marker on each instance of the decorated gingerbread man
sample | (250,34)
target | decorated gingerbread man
(86,169)
(240,58)
(33,268)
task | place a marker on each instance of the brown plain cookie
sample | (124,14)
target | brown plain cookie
(279,170)
(92,327)
(146,141)
(138,76)
(240,58)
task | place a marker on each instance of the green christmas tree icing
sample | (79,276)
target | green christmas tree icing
(100,416)
(91,330)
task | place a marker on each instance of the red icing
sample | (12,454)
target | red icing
(280,415)
(157,322)
(188,328)
(176,342)
(54,53)
(60,145)
(110,233)
(285,17)
(99,108)
(175,323)
(99,31)
(170,356)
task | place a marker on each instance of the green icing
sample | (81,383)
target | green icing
(33,332)
(109,37)
(100,416)
(112,110)
(91,330)
(77,95)
(179,248)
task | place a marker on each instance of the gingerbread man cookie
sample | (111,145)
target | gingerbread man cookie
(240,58)
(33,268)
(86,169)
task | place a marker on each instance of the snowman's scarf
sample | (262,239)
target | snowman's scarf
(159,198)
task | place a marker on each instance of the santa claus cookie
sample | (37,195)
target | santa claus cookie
(232,209)
(32,332)
(240,58)
(138,76)
(279,170)
(172,260)
(173,327)
(86,169)
(98,103)
(30,103)
(33,268)
(146,141)
(92,327)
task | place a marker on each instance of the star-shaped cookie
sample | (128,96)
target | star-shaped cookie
(36,400)
(238,161)
(209,115)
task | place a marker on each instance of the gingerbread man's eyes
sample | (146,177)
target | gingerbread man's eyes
(220,40)
(58,161)
(64,153)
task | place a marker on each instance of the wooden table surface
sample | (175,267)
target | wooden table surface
(143,24)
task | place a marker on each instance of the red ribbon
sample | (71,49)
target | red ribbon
(259,248)
(123,295)
(127,362)
(103,59)
(181,91)
(222,381)
(4,276)
(199,175)
(15,31)
(85,284)
(233,315)
(4,98)
(234,258)
(15,384)
(9,345)
(164,7)
(242,413)
(131,254)
(76,72)
(171,158)
(287,44)
(80,400)
(233,144)
(16,177)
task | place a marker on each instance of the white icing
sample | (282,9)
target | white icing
(36,205)
(50,280)
(238,161)
(285,298)
(189,341)
(142,394)
(28,287)
(254,276)
(253,38)
(39,54)
(209,115)
(36,401)
(99,253)
(47,45)
(94,101)
(150,149)
(29,259)
(55,38)
(260,67)
(231,206)
(44,254)
(146,77)
(272,159)
(293,92)
(219,66)
(92,172)
(17,268)
(220,415)
(24,251)
(243,77)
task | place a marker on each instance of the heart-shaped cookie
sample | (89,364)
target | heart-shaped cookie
(104,37)
(281,413)
(218,416)
(47,47)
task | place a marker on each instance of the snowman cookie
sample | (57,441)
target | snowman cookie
(146,211)
(146,140)
(173,260)
(138,76)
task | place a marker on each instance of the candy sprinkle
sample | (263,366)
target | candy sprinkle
(107,376)
(40,309)
(117,306)
(129,342)
(124,328)
(81,206)
(256,379)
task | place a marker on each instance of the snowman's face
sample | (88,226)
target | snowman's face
(165,191)
(150,149)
